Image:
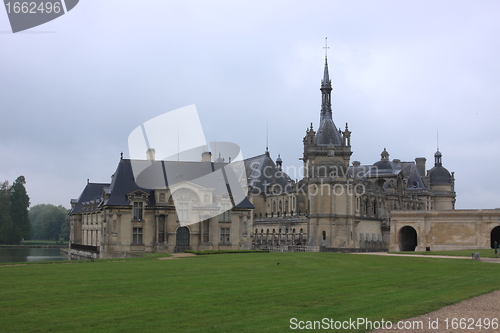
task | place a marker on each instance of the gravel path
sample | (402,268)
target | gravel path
(473,310)
(478,310)
(178,255)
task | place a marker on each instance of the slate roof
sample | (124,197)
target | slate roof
(328,133)
(263,172)
(414,177)
(158,175)
(390,169)
(439,175)
(122,183)
(93,191)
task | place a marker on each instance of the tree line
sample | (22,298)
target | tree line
(49,222)
(14,221)
(18,222)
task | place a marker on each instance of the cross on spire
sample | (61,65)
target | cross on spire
(326,47)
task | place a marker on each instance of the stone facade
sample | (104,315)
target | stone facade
(444,230)
(338,205)
(119,218)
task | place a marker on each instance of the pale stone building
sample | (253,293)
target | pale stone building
(120,218)
(339,205)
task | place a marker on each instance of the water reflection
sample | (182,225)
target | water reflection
(31,254)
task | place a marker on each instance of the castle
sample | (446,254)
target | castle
(337,206)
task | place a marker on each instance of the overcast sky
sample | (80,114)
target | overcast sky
(73,89)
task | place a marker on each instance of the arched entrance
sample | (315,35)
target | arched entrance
(182,240)
(407,239)
(495,236)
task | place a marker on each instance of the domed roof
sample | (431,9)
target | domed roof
(385,163)
(439,174)
(384,167)
(219,159)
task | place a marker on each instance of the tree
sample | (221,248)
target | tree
(5,218)
(49,222)
(19,204)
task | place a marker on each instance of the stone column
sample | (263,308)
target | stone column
(165,229)
(155,240)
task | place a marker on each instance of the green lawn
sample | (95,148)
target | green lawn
(484,253)
(246,292)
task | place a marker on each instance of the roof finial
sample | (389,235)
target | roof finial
(267,137)
(437,138)
(326,47)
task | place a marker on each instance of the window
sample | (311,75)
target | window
(138,206)
(183,210)
(224,235)
(226,209)
(137,236)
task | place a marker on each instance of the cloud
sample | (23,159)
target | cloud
(400,71)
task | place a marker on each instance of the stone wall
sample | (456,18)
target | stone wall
(444,230)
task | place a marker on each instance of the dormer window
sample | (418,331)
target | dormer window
(138,210)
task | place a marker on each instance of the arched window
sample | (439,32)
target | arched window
(324,235)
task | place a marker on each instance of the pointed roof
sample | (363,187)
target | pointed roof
(262,172)
(327,131)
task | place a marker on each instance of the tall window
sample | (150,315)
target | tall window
(226,209)
(137,236)
(138,206)
(183,211)
(224,235)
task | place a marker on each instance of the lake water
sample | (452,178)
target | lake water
(30,255)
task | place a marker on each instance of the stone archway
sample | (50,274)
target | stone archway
(407,239)
(182,240)
(495,236)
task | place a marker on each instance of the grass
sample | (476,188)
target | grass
(232,293)
(484,253)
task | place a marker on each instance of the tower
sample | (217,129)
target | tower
(442,185)
(327,152)
(329,147)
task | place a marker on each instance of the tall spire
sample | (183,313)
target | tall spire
(326,89)
(327,133)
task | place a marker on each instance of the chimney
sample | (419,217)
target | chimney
(150,154)
(356,163)
(420,162)
(206,156)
